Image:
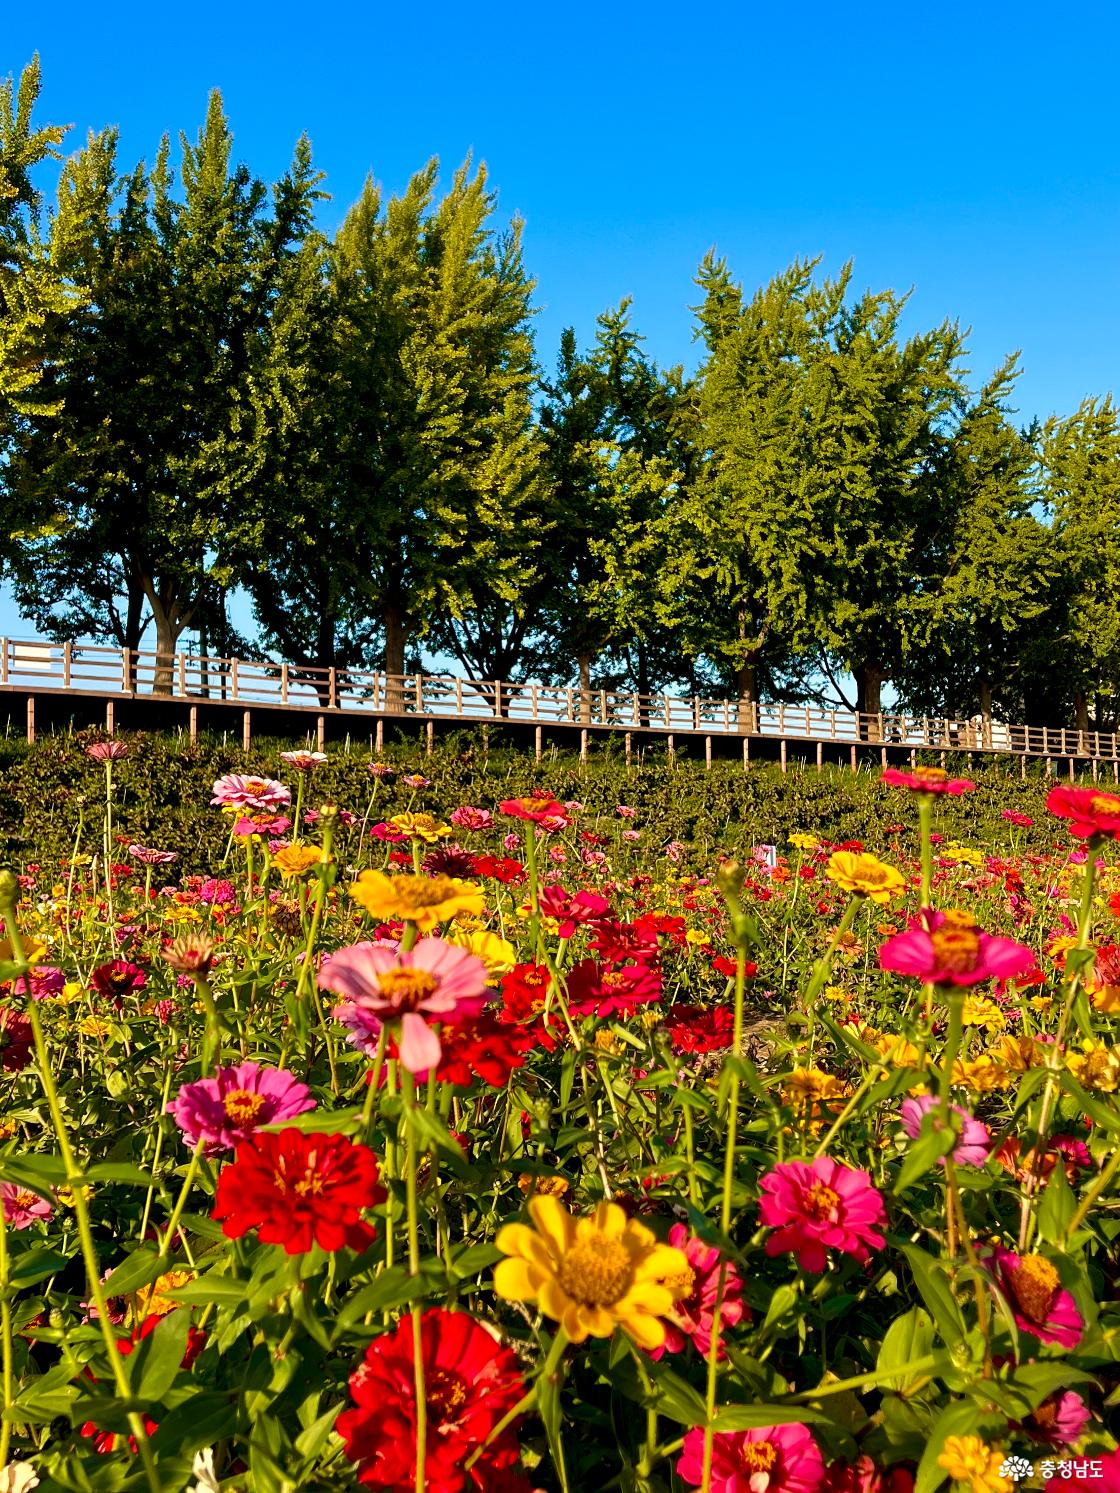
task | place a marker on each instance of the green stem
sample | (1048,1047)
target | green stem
(925,827)
(408,1094)
(5,1337)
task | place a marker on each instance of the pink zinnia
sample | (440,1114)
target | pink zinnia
(975,1137)
(926,780)
(692,1318)
(148,857)
(1103,1475)
(571,911)
(1091,811)
(303,761)
(768,1459)
(107,751)
(380,770)
(225,1110)
(468,817)
(1060,1420)
(952,950)
(45,980)
(236,791)
(820,1205)
(22,1208)
(1039,1302)
(435,981)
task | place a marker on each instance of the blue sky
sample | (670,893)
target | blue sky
(965,151)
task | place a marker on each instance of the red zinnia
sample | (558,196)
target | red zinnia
(525,991)
(16,1040)
(692,1029)
(470,1384)
(117,979)
(1090,811)
(499,868)
(594,991)
(485,1046)
(571,911)
(299,1189)
(540,807)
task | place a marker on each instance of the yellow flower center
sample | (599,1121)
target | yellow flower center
(956,948)
(758,1456)
(596,1272)
(1105,803)
(931,775)
(534,805)
(821,1202)
(1034,1284)
(682,1285)
(416,893)
(311,1183)
(445,1393)
(243,1106)
(406,988)
(25,1199)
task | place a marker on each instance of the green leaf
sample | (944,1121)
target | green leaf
(750,1417)
(929,1277)
(35,1264)
(203,1420)
(677,1399)
(924,1153)
(119,1171)
(391,1289)
(908,1338)
(1057,1207)
(40,1174)
(960,1419)
(210,1288)
(159,1356)
(141,1268)
(782,1300)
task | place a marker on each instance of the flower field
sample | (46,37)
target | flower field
(399,1139)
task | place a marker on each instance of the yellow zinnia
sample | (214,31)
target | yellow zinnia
(294,860)
(866,875)
(591,1274)
(970,1461)
(978,1010)
(423,900)
(1097,1066)
(423,827)
(801,841)
(497,953)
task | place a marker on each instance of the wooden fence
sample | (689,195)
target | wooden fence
(88,669)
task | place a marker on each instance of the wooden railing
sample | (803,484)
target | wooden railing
(31,665)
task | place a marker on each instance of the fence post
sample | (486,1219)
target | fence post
(332,685)
(583,745)
(67,651)
(3,660)
(533,699)
(126,669)
(855,763)
(182,675)
(246,735)
(380,738)
(672,751)
(602,707)
(320,731)
(627,740)
(820,755)
(459,696)
(783,754)
(194,725)
(110,718)
(538,740)
(668,715)
(746,753)
(497,697)
(283,684)
(430,737)
(695,713)
(708,753)
(30,720)
(233,679)
(419,693)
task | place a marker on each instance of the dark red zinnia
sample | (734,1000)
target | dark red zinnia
(117,979)
(594,991)
(484,1046)
(470,1384)
(16,1040)
(299,1189)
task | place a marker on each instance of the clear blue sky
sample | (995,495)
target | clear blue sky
(965,150)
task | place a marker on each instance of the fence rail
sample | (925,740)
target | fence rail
(31,664)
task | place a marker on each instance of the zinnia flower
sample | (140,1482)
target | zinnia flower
(820,1205)
(1060,1420)
(1090,811)
(482,1046)
(926,780)
(590,1274)
(299,1189)
(22,1208)
(594,991)
(16,1040)
(974,1463)
(865,875)
(18,1477)
(767,1459)
(570,912)
(864,1476)
(235,791)
(423,900)
(468,817)
(117,979)
(190,953)
(107,751)
(471,1383)
(975,1138)
(148,857)
(1039,1303)
(952,950)
(692,1316)
(406,988)
(304,761)
(225,1110)
(534,809)
(294,860)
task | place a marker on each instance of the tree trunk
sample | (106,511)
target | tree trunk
(168,633)
(132,633)
(869,699)
(396,639)
(746,686)
(643,684)
(985,711)
(585,688)
(1081,710)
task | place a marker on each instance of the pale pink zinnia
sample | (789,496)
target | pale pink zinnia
(381,983)
(767,1459)
(814,1206)
(467,817)
(235,791)
(952,950)
(224,1110)
(303,761)
(975,1138)
(149,857)
(692,1317)
(1039,1302)
(22,1207)
(107,751)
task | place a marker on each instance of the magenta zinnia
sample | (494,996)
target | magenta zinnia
(236,791)
(224,1110)
(820,1205)
(1040,1304)
(406,990)
(768,1459)
(691,1318)
(947,948)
